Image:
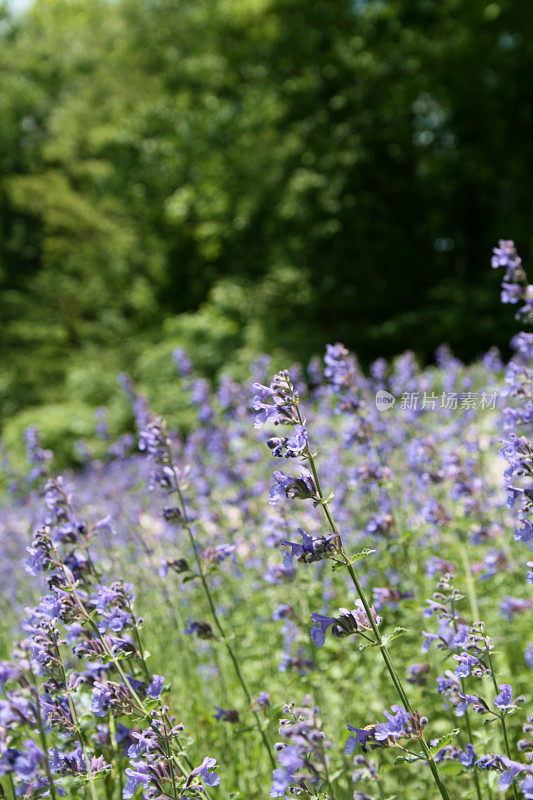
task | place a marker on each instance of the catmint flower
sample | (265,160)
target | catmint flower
(312,548)
(467,700)
(289,446)
(400,725)
(301,488)
(276,403)
(505,255)
(36,455)
(202,629)
(346,624)
(183,362)
(138,774)
(514,605)
(262,701)
(466,664)
(219,553)
(302,753)
(384,595)
(284,611)
(22,763)
(504,700)
(226,714)
(101,699)
(156,687)
(362,735)
(204,772)
(418,673)
(397,725)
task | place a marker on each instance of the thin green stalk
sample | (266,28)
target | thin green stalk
(378,638)
(466,714)
(112,730)
(141,707)
(328,777)
(501,718)
(42,735)
(216,619)
(78,729)
(12,787)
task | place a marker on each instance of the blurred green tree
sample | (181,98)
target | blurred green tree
(280,172)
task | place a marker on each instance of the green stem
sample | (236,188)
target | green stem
(141,707)
(75,719)
(502,719)
(467,715)
(378,638)
(216,619)
(42,735)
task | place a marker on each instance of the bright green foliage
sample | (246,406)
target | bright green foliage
(281,173)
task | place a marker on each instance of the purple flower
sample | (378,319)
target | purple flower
(397,725)
(346,624)
(204,772)
(504,700)
(468,757)
(361,737)
(301,488)
(281,405)
(263,700)
(101,700)
(466,662)
(156,687)
(138,775)
(312,548)
(466,700)
(281,780)
(526,787)
(226,714)
(183,362)
(507,777)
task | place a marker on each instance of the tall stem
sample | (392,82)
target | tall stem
(467,715)
(79,733)
(502,719)
(42,735)
(214,614)
(378,638)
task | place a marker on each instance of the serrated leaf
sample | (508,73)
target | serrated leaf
(406,759)
(363,554)
(443,741)
(397,632)
(337,565)
(364,644)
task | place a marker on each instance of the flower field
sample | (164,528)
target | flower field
(321,591)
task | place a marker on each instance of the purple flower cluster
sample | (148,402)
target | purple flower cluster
(302,753)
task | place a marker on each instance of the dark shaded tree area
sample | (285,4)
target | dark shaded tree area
(278,173)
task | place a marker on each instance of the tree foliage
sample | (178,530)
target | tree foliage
(281,172)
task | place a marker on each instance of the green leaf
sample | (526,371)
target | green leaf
(406,759)
(363,554)
(397,632)
(364,644)
(337,565)
(443,741)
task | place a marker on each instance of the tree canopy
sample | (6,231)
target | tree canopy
(246,175)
